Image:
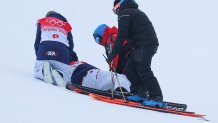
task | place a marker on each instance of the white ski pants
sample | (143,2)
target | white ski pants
(66,70)
(102,80)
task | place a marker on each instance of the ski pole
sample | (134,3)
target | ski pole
(111,65)
(118,82)
(112,89)
(112,80)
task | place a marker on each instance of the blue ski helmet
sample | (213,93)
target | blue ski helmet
(98,33)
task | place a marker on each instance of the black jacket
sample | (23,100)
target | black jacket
(133,26)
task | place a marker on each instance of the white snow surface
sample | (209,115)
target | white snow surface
(186,63)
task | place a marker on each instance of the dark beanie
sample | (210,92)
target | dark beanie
(56,15)
(50,13)
(116,2)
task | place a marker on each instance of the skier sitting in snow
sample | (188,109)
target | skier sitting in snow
(53,47)
(53,44)
(104,35)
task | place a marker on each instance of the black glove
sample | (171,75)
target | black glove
(74,56)
(110,63)
(110,58)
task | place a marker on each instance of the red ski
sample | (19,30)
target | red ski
(138,105)
(105,97)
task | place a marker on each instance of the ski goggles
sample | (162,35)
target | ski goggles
(97,38)
(116,8)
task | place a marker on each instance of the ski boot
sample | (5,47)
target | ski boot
(58,78)
(46,71)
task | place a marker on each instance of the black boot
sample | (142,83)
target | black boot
(141,92)
(125,92)
(156,98)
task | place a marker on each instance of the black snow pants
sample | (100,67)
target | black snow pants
(138,71)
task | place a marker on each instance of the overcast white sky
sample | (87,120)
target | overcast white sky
(186,61)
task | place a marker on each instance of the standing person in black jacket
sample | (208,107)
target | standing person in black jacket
(135,27)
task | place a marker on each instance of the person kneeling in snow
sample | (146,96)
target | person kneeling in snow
(105,36)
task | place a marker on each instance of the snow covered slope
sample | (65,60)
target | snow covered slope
(186,63)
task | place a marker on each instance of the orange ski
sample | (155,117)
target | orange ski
(138,105)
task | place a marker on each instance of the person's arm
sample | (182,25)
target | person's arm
(73,54)
(38,38)
(123,28)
